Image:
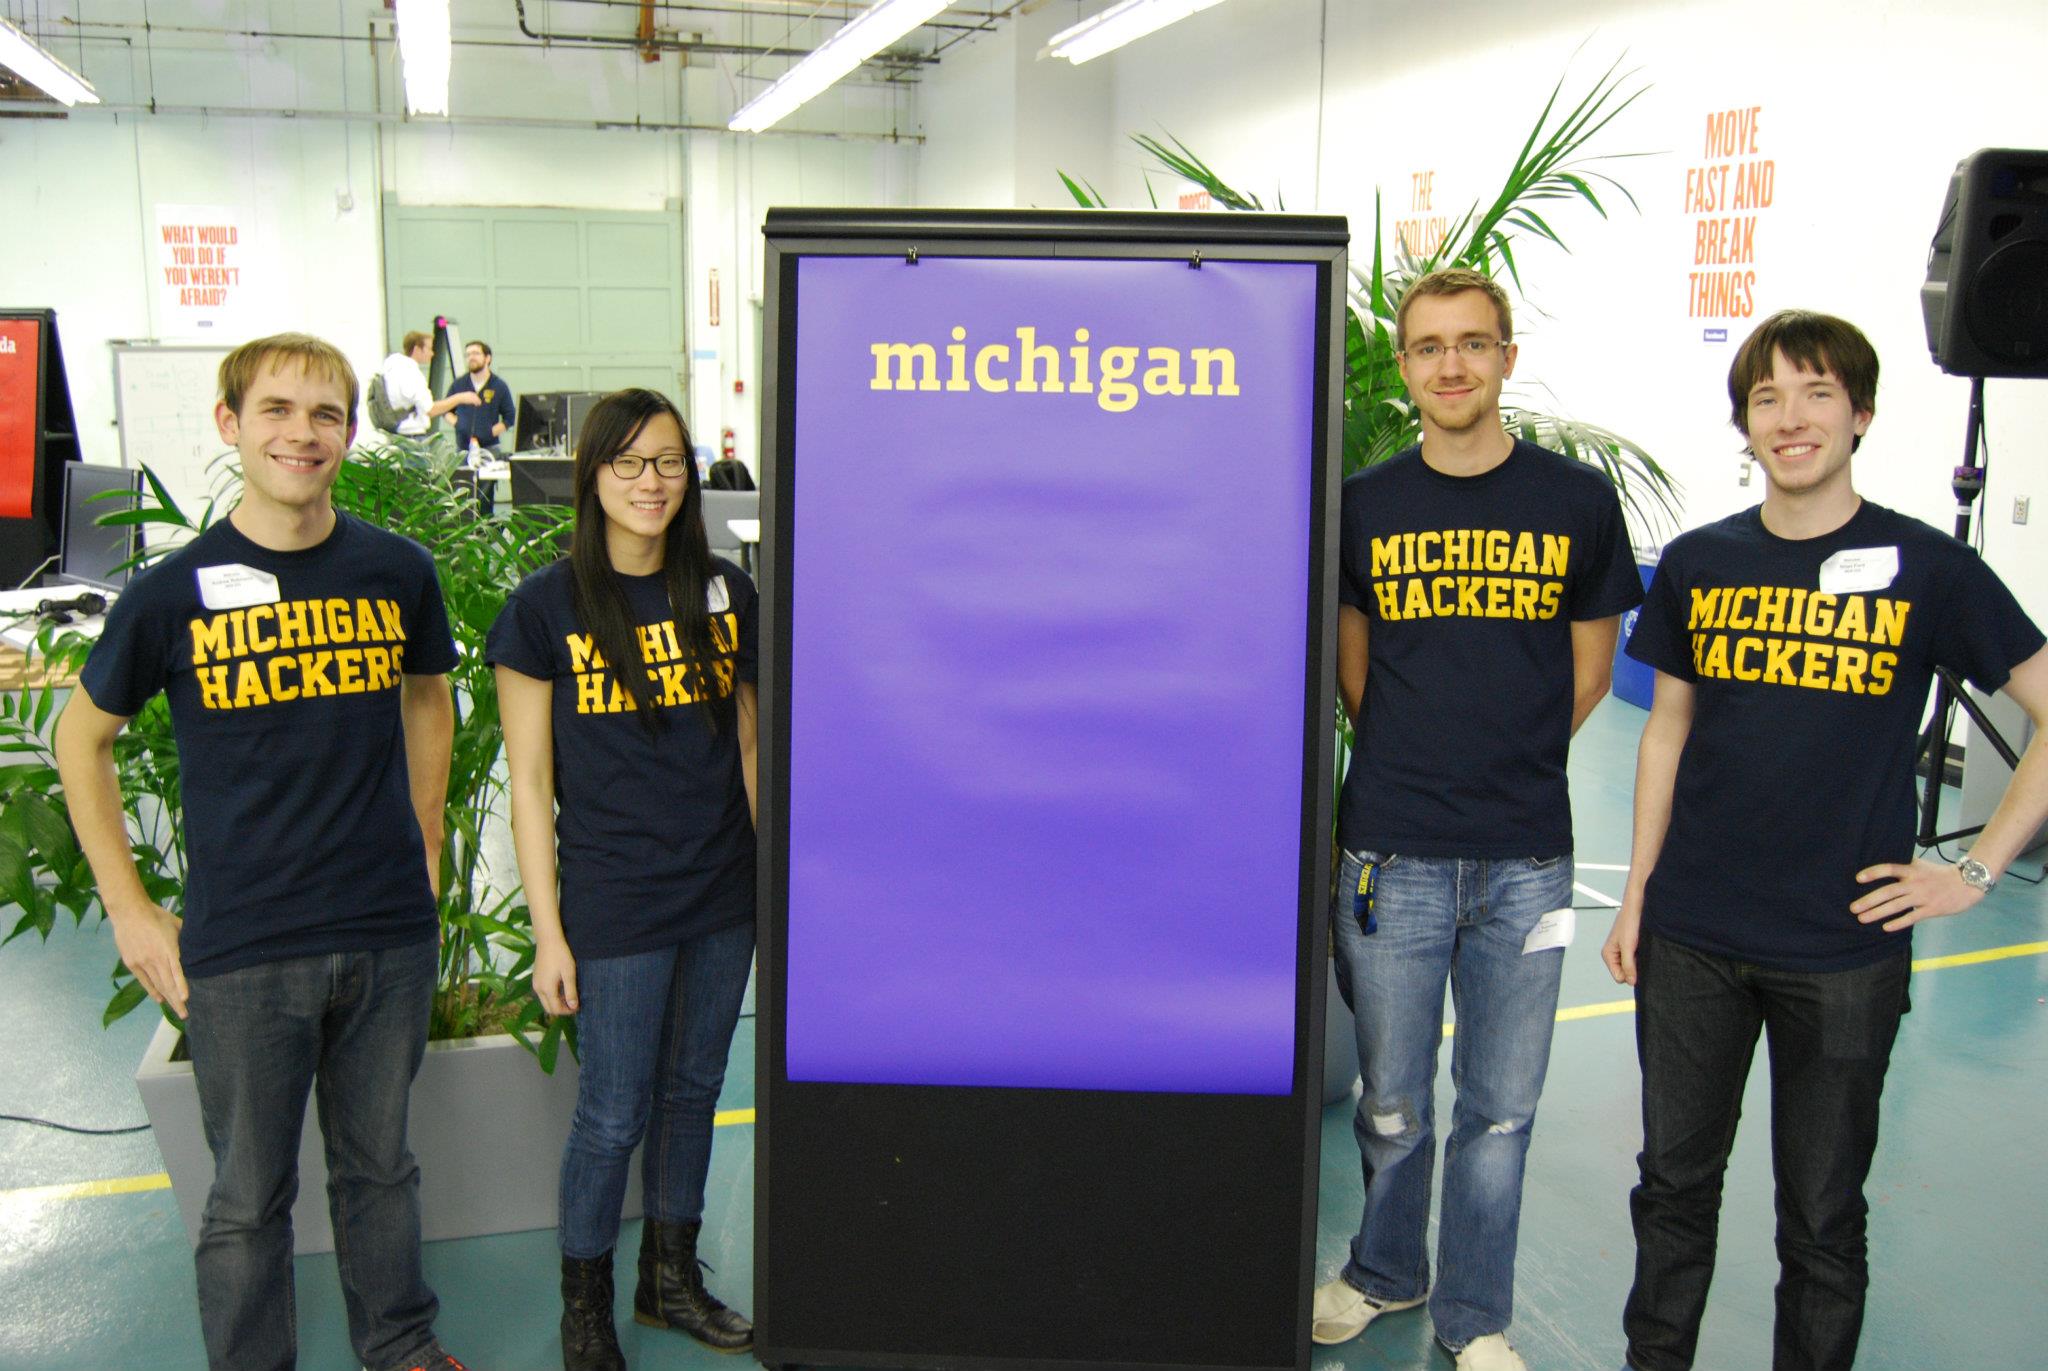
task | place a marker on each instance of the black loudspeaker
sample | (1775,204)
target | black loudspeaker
(1986,298)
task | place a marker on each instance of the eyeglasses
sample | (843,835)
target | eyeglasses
(1472,349)
(627,466)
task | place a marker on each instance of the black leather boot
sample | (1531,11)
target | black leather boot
(589,1340)
(672,1293)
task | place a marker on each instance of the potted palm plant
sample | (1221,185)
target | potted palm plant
(1555,167)
(478,1080)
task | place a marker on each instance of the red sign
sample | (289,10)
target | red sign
(21,343)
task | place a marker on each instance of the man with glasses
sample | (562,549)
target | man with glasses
(1482,580)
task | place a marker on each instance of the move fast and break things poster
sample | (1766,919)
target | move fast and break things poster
(1049,597)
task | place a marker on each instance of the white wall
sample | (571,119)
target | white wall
(78,196)
(1866,107)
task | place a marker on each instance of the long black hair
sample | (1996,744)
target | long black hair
(686,568)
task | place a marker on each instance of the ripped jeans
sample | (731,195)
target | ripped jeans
(1461,921)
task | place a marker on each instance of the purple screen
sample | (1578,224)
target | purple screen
(1047,673)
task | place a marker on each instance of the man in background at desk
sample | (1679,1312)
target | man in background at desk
(480,424)
(479,427)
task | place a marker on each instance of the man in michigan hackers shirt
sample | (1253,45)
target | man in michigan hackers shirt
(1481,584)
(304,655)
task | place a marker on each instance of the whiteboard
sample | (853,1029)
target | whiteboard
(163,403)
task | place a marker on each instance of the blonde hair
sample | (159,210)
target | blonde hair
(1454,281)
(238,369)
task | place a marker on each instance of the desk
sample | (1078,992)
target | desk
(748,531)
(16,638)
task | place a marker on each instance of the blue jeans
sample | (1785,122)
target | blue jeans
(352,1027)
(653,1032)
(1698,1017)
(1460,921)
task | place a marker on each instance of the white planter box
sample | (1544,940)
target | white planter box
(487,1127)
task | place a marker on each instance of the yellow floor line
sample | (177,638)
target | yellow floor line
(85,1190)
(1989,954)
(726,1118)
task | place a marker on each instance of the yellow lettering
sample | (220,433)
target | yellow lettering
(1225,362)
(1557,553)
(313,672)
(1778,662)
(1849,665)
(589,692)
(1738,617)
(1890,624)
(291,623)
(1851,624)
(263,642)
(213,686)
(1525,554)
(1770,609)
(1497,597)
(905,355)
(1416,604)
(1743,647)
(348,671)
(982,378)
(1444,606)
(278,690)
(1819,658)
(1496,549)
(393,621)
(1426,560)
(583,655)
(209,640)
(1389,598)
(249,685)
(1117,393)
(1820,618)
(1525,599)
(1163,376)
(1030,352)
(1386,556)
(1881,664)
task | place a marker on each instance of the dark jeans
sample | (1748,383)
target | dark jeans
(653,1034)
(351,1026)
(1830,1033)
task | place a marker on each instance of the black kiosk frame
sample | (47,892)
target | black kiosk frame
(929,1226)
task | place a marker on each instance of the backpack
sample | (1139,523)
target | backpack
(383,414)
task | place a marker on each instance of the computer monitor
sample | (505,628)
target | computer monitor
(542,423)
(543,481)
(578,403)
(90,553)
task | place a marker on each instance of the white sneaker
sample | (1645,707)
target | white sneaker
(1342,1311)
(1490,1353)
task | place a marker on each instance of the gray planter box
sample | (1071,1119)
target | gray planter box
(487,1127)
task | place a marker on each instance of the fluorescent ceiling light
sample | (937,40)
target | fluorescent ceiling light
(866,34)
(1118,25)
(34,64)
(423,53)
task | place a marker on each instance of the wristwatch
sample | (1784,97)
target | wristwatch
(1976,875)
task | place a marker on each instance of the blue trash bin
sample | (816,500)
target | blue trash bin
(1633,681)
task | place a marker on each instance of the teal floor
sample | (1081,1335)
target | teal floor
(102,1282)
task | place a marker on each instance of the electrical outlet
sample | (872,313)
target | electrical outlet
(2019,509)
(1742,477)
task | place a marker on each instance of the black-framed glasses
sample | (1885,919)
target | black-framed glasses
(627,466)
(1472,349)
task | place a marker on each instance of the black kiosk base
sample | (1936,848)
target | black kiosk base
(1047,694)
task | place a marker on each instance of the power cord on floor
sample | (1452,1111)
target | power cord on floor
(33,1121)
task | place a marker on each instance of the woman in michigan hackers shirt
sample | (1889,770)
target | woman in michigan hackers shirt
(626,686)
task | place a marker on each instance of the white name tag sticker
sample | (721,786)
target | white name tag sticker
(1554,929)
(717,598)
(234,586)
(1859,568)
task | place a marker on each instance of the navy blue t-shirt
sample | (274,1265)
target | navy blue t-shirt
(476,421)
(653,837)
(1471,584)
(1810,661)
(283,672)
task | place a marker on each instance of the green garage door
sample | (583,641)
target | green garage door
(568,299)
